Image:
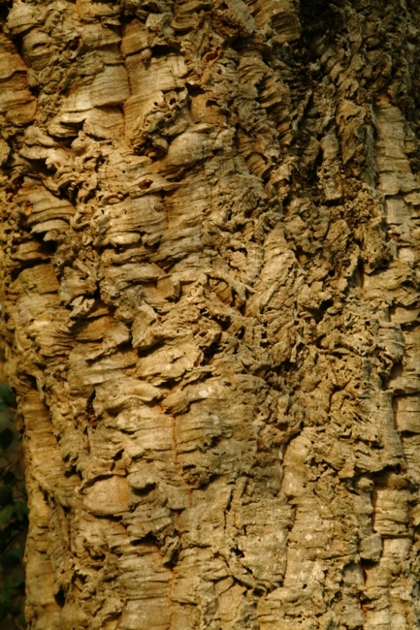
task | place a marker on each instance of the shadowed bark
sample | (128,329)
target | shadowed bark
(210,255)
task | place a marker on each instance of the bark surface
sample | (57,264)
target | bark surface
(210,255)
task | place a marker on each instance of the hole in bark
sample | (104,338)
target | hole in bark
(32,381)
(142,492)
(71,472)
(4,11)
(119,455)
(211,350)
(60,598)
(408,434)
(74,43)
(90,412)
(242,309)
(194,90)
(171,562)
(334,202)
(211,442)
(146,184)
(396,370)
(319,314)
(163,51)
(149,540)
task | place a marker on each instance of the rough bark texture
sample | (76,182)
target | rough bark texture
(211,251)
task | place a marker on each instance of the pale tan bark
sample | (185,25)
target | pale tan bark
(210,279)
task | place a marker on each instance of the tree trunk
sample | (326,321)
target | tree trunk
(210,254)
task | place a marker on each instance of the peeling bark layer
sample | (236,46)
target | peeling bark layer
(210,252)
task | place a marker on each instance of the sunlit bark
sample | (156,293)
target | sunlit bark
(210,255)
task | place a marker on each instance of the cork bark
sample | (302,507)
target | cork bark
(210,284)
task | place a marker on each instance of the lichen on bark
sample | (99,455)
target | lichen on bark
(210,284)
